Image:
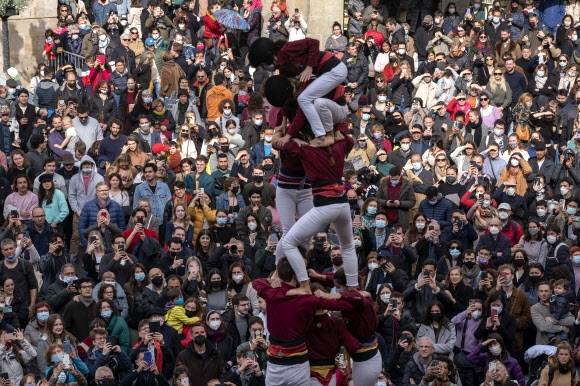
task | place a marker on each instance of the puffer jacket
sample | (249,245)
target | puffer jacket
(480,356)
(9,363)
(118,328)
(517,25)
(44,95)
(413,370)
(357,71)
(398,362)
(198,215)
(90,212)
(389,332)
(355,27)
(558,254)
(443,342)
(402,88)
(205,369)
(422,297)
(440,211)
(144,301)
(107,107)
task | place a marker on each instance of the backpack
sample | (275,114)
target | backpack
(22,267)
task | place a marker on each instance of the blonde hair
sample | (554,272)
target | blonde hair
(67,120)
(494,84)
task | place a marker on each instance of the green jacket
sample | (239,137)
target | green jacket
(118,328)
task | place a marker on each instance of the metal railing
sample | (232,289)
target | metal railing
(65,57)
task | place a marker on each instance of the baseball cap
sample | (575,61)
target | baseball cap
(149,42)
(13,73)
(504,206)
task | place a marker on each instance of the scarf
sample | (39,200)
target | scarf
(104,44)
(160,113)
(481,214)
(158,353)
(471,276)
(540,81)
(216,335)
(85,301)
(181,110)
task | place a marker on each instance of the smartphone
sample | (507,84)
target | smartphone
(6,310)
(295,10)
(435,363)
(140,220)
(4,376)
(563,203)
(121,248)
(409,338)
(480,180)
(154,327)
(201,190)
(111,340)
(468,11)
(492,366)
(103,214)
(502,277)
(71,104)
(493,314)
(471,302)
(426,273)
(250,355)
(13,213)
(273,238)
(26,234)
(394,303)
(431,227)
(375,12)
(102,59)
(66,360)
(537,181)
(257,334)
(147,359)
(319,240)
(66,345)
(93,239)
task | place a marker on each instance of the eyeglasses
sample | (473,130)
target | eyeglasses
(227,107)
(483,37)
(83,117)
(126,40)
(134,33)
(483,99)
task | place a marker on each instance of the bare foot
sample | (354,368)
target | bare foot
(338,136)
(322,141)
(304,289)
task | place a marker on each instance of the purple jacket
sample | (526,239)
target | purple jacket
(480,357)
(472,325)
(55,138)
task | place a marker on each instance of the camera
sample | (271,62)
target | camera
(566,157)
(234,248)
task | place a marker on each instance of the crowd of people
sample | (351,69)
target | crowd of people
(203,204)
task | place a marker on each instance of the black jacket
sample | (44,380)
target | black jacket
(398,279)
(107,107)
(222,260)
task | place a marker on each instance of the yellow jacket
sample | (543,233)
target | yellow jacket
(176,318)
(198,215)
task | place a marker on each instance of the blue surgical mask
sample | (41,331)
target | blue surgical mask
(540,73)
(571,211)
(61,377)
(222,221)
(498,309)
(10,259)
(432,202)
(87,170)
(366,117)
(562,64)
(43,316)
(533,231)
(455,253)
(395,182)
(106,314)
(258,122)
(69,279)
(416,166)
(179,302)
(56,358)
(382,98)
(371,210)
(495,19)
(227,112)
(576,259)
(381,224)
(383,383)
(391,109)
(147,100)
(140,276)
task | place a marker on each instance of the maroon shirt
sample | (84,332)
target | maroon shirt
(325,337)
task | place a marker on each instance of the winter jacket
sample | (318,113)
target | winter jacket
(205,181)
(90,212)
(102,11)
(507,329)
(499,244)
(222,260)
(398,362)
(9,363)
(398,280)
(540,312)
(118,328)
(520,311)
(420,298)
(105,109)
(118,363)
(465,332)
(205,369)
(443,342)
(480,356)
(358,69)
(552,12)
(170,74)
(77,92)
(413,370)
(57,296)
(50,269)
(558,254)
(440,211)
(391,330)
(406,198)
(44,95)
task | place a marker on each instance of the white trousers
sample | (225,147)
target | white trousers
(288,375)
(338,215)
(292,204)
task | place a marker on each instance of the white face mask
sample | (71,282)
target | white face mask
(498,132)
(420,225)
(103,38)
(252,226)
(514,162)
(357,243)
(373,266)
(451,10)
(494,230)
(486,203)
(401,52)
(405,146)
(511,191)
(181,26)
(237,278)
(385,297)
(564,191)
(503,216)
(476,314)
(215,324)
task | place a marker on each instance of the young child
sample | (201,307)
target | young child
(49,44)
(174,157)
(71,138)
(350,180)
(175,316)
(79,152)
(559,306)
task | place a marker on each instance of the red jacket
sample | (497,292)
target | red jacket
(212,27)
(295,56)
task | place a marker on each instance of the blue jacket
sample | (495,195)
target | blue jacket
(440,211)
(39,239)
(102,11)
(258,153)
(517,25)
(552,12)
(91,210)
(6,138)
(157,199)
(146,146)
(502,244)
(467,235)
(558,254)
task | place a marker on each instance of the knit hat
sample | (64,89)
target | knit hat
(409,328)
(278,90)
(262,51)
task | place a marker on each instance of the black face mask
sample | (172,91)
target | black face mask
(59,250)
(436,317)
(534,279)
(259,179)
(352,201)
(519,262)
(212,133)
(563,368)
(532,25)
(224,149)
(184,135)
(427,26)
(469,264)
(476,29)
(448,73)
(72,85)
(319,248)
(268,167)
(190,314)
(397,120)
(199,340)
(337,261)
(157,281)
(216,284)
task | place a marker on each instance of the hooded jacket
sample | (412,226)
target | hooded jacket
(77,194)
(205,370)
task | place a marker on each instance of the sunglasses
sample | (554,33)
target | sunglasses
(441,160)
(380,81)
(483,99)
(483,37)
(497,73)
(460,99)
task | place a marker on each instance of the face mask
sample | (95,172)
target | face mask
(74,37)
(372,267)
(576,259)
(49,41)
(495,350)
(432,202)
(224,149)
(420,225)
(381,384)
(155,36)
(61,378)
(357,243)
(451,10)
(486,203)
(382,98)
(222,68)
(401,51)
(10,259)
(519,262)
(494,230)
(362,144)
(451,180)
(476,315)
(258,122)
(416,166)
(215,324)
(541,213)
(252,226)
(337,261)
(238,278)
(43,316)
(140,276)
(540,73)
(469,264)
(147,100)
(476,6)
(366,117)
(511,191)
(564,191)
(571,211)
(106,314)
(562,64)
(57,358)
(385,298)
(551,239)
(436,316)
(222,221)
(87,170)
(145,127)
(69,279)
(514,161)
(200,339)
(495,19)
(200,47)
(157,281)
(103,91)
(179,302)
(227,112)
(535,279)
(103,38)
(498,132)
(381,224)
(405,146)
(455,253)
(503,216)
(268,138)
(567,23)
(258,179)
(216,284)
(533,231)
